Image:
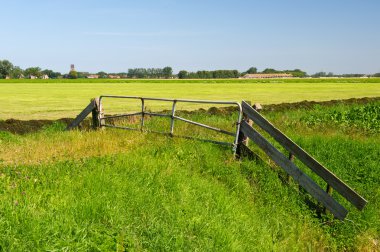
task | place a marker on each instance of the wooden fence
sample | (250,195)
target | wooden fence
(245,131)
(322,196)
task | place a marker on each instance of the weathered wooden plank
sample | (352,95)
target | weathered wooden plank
(81,116)
(242,142)
(347,192)
(205,126)
(306,182)
(121,115)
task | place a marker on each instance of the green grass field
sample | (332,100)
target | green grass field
(115,190)
(53,99)
(119,190)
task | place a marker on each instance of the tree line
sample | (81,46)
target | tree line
(217,74)
(226,74)
(332,75)
(8,70)
(150,73)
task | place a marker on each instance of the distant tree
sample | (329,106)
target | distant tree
(376,75)
(73,74)
(33,71)
(17,73)
(167,72)
(252,70)
(270,71)
(352,75)
(235,73)
(204,74)
(182,74)
(319,74)
(330,74)
(55,75)
(6,68)
(137,73)
(296,73)
(82,75)
(102,75)
(225,74)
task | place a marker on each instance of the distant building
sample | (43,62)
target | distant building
(111,76)
(45,77)
(7,77)
(72,67)
(93,76)
(266,76)
(32,77)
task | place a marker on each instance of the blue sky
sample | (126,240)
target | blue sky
(341,36)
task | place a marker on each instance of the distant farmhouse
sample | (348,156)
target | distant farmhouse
(97,76)
(93,76)
(266,76)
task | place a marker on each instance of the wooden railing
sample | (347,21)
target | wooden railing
(322,196)
(244,131)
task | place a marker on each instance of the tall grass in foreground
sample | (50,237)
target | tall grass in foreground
(169,195)
(119,190)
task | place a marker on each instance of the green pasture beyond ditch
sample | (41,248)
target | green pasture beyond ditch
(53,99)
(119,190)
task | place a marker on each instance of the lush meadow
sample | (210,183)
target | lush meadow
(121,190)
(52,99)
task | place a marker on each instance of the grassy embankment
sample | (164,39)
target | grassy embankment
(52,99)
(112,189)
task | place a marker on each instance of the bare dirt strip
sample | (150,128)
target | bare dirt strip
(21,127)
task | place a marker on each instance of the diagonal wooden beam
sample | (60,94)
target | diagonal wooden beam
(305,181)
(82,115)
(347,192)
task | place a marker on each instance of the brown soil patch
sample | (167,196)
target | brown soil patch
(23,127)
(311,104)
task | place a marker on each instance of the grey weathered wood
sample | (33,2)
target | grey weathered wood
(81,116)
(204,125)
(97,114)
(306,182)
(242,147)
(122,115)
(347,192)
(291,159)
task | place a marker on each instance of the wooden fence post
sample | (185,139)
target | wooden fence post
(242,139)
(97,114)
(242,148)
